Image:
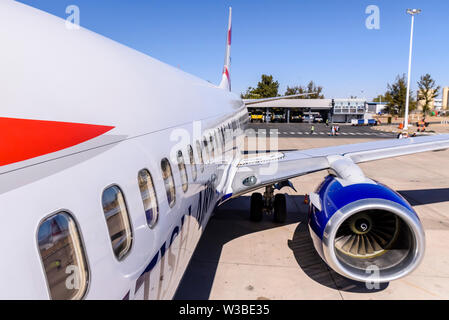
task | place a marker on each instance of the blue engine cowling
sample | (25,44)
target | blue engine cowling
(365,231)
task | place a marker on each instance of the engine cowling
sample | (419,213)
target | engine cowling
(361,228)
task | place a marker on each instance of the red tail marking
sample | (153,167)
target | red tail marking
(226,72)
(22,139)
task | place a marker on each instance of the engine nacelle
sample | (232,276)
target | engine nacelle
(360,228)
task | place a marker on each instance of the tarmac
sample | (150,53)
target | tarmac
(295,130)
(238,259)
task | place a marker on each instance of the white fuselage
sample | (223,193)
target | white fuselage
(51,73)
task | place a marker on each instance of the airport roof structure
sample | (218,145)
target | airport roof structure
(317,104)
(295,103)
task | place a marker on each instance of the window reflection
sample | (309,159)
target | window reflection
(223,139)
(199,151)
(168,182)
(192,163)
(117,220)
(212,147)
(148,195)
(63,257)
(217,143)
(182,171)
(206,148)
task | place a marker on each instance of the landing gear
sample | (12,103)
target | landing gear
(256,209)
(270,204)
(280,208)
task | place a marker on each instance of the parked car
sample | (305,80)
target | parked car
(296,117)
(364,122)
(308,118)
(257,117)
(278,117)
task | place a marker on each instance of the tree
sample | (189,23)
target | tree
(428,91)
(266,88)
(310,88)
(295,90)
(396,96)
(379,98)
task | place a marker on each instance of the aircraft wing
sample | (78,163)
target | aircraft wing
(257,172)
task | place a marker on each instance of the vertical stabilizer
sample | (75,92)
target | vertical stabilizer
(226,77)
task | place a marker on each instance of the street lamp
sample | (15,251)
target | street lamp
(411,12)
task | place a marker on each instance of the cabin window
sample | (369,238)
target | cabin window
(217,141)
(168,182)
(149,197)
(212,147)
(199,151)
(206,148)
(223,138)
(192,163)
(117,220)
(63,257)
(182,171)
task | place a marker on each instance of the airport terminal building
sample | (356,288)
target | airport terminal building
(334,110)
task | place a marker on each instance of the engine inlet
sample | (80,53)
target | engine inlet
(374,233)
(367,234)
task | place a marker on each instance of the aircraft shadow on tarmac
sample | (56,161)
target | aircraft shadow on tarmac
(425,196)
(231,221)
(311,263)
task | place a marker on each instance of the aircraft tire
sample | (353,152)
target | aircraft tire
(280,208)
(256,207)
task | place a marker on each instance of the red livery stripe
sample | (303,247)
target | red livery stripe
(22,139)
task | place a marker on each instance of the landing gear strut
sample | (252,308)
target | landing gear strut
(270,204)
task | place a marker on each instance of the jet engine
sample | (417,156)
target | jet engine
(364,230)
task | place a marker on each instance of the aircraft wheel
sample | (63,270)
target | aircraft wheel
(256,208)
(280,208)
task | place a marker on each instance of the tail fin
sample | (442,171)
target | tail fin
(226,77)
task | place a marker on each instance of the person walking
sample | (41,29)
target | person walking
(333,130)
(312,129)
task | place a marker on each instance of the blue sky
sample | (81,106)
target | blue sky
(294,40)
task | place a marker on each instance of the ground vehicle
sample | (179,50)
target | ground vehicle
(257,116)
(278,117)
(308,118)
(362,122)
(422,125)
(296,117)
(318,119)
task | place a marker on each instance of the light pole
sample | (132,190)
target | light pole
(411,12)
